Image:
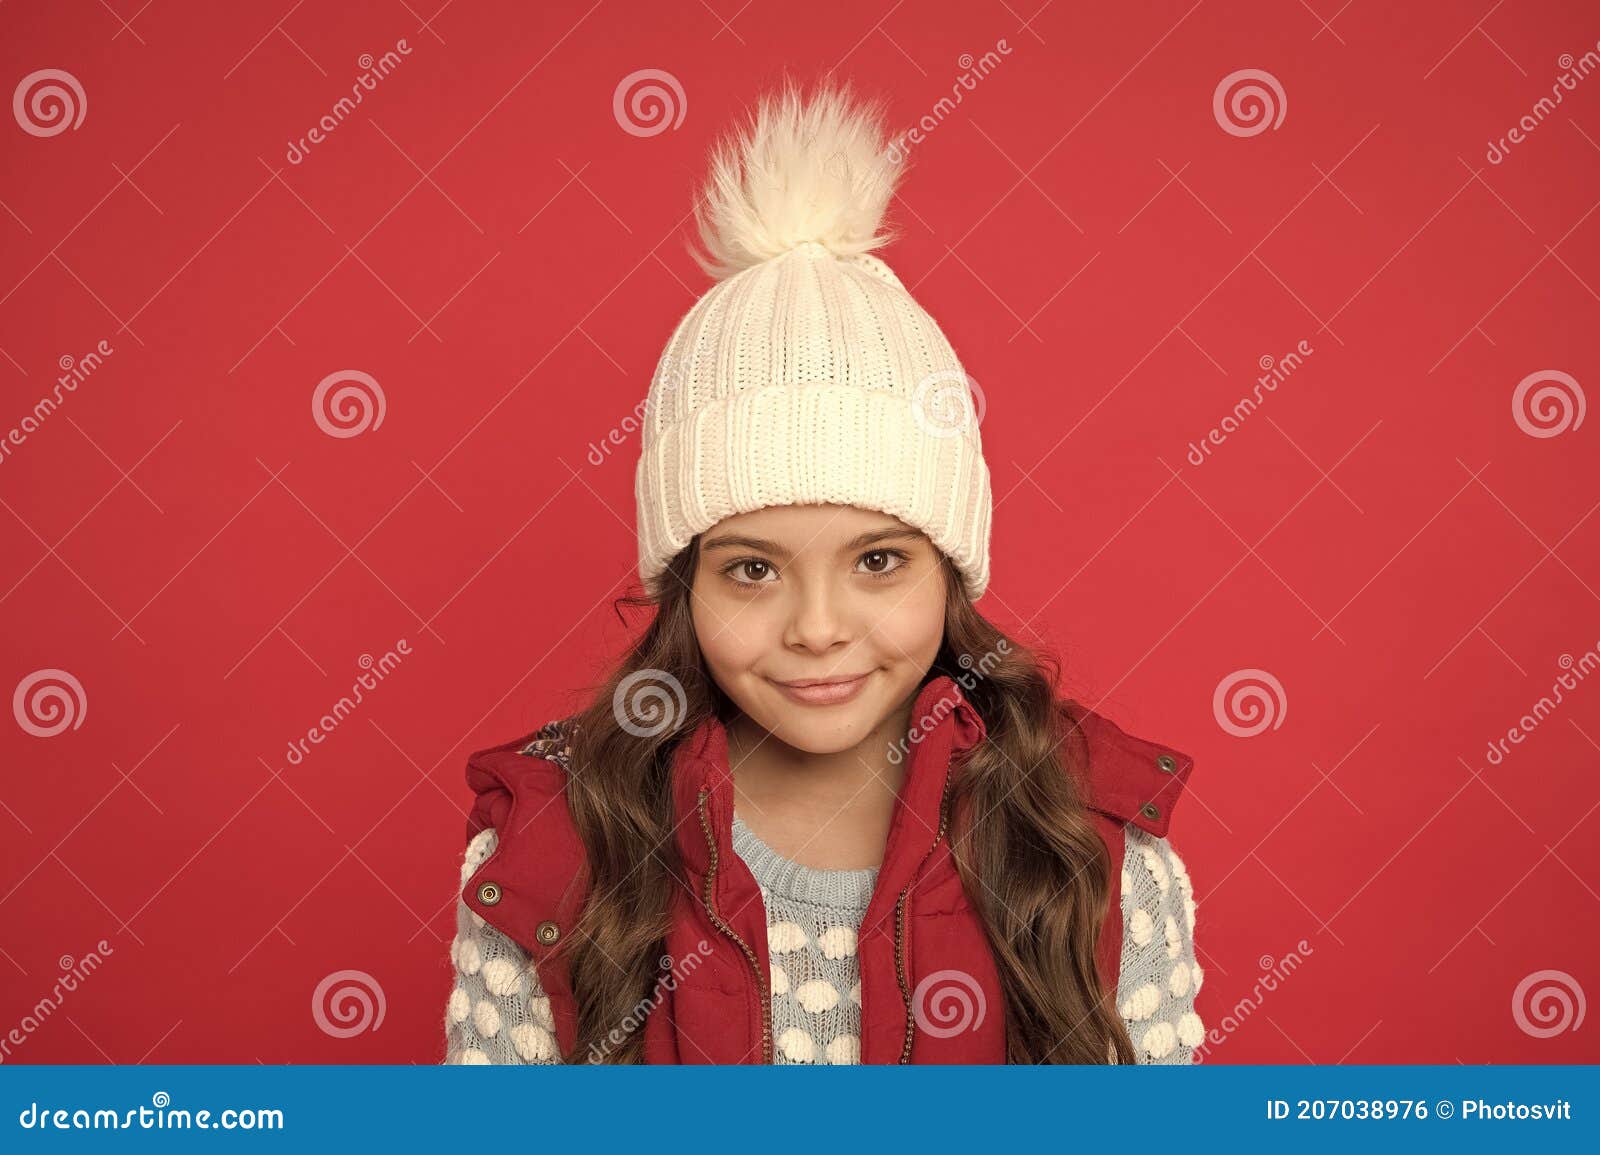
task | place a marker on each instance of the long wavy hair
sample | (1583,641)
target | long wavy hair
(1029,858)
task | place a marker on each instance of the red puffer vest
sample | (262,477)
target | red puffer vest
(920,940)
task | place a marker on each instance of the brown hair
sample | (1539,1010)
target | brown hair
(1030,860)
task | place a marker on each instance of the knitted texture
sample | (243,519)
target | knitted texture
(812,920)
(809,375)
(497,1012)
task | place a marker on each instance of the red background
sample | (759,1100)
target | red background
(486,241)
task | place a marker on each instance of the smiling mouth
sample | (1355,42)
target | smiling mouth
(823,691)
(802,683)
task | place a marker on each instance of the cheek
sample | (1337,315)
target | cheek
(914,627)
(732,632)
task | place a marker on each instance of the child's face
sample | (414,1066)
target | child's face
(818,592)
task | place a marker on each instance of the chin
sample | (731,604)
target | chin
(823,737)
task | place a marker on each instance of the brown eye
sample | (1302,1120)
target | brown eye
(883,562)
(750,571)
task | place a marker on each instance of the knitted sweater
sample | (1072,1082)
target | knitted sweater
(497,1012)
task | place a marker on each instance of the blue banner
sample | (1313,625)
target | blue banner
(1381,1108)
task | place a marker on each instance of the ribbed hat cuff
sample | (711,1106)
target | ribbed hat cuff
(821,443)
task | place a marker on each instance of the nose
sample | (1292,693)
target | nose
(819,622)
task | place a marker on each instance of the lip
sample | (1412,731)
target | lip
(823,691)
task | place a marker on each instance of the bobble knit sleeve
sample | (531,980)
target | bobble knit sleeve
(1159,974)
(497,1012)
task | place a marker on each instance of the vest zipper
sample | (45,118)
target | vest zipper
(717,921)
(900,925)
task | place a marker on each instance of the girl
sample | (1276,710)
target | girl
(824,811)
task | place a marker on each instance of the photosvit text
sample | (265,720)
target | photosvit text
(1388,1109)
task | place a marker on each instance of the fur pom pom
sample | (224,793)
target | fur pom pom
(801,170)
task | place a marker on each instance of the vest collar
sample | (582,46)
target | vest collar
(1130,779)
(944,725)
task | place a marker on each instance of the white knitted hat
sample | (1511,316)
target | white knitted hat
(808,374)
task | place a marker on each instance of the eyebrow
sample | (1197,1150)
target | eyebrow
(762,545)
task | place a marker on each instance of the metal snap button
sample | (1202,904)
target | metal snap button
(489,893)
(547,932)
(1150,810)
(1166,763)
